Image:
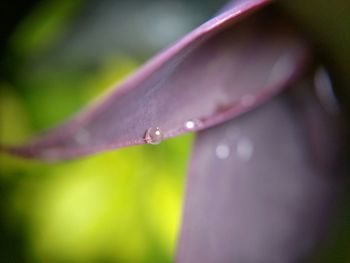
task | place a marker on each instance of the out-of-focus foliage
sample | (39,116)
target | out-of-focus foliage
(119,206)
(41,28)
(122,206)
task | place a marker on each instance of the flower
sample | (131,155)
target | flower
(261,176)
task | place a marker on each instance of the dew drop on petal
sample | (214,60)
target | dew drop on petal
(153,135)
(324,90)
(191,125)
(222,151)
(244,149)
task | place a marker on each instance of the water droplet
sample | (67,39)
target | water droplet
(222,151)
(154,135)
(247,100)
(245,149)
(189,125)
(192,124)
(324,90)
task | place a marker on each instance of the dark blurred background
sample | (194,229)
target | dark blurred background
(124,206)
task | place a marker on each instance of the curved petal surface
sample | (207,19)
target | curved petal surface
(223,68)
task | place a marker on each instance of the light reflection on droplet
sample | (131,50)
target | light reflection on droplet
(192,124)
(244,149)
(222,151)
(189,125)
(324,90)
(153,135)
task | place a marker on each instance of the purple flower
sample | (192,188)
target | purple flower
(264,170)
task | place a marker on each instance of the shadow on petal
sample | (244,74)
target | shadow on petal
(261,187)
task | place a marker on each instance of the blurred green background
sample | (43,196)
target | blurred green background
(121,206)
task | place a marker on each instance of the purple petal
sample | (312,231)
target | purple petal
(260,187)
(221,69)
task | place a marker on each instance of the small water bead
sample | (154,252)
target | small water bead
(192,124)
(222,151)
(189,125)
(324,90)
(154,135)
(244,149)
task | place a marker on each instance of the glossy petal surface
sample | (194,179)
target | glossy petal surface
(223,68)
